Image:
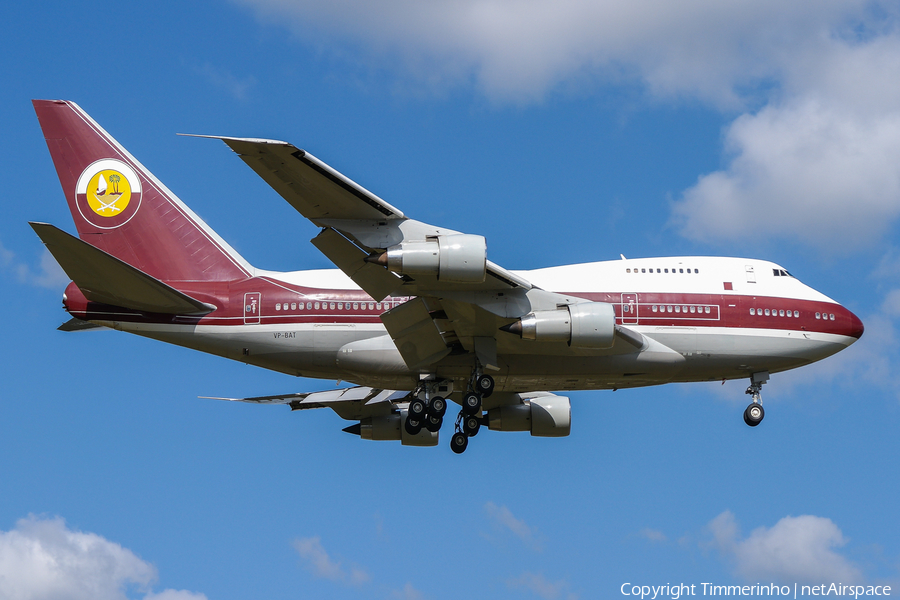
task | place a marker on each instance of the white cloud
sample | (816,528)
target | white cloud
(518,50)
(48,274)
(502,517)
(322,565)
(809,171)
(175,595)
(654,535)
(237,87)
(42,559)
(540,586)
(817,158)
(796,549)
(408,593)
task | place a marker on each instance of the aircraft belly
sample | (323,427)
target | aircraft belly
(308,350)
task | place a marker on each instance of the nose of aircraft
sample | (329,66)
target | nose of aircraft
(854,326)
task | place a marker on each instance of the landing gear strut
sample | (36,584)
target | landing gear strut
(754,413)
(469,419)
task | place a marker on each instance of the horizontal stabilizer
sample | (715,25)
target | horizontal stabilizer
(104,278)
(75,324)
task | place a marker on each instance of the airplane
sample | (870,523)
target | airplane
(415,316)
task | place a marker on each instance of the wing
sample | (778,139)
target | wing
(349,403)
(460,300)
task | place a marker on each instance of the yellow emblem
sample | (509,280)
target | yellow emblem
(108,193)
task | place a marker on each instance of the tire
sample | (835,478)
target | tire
(433,424)
(471,403)
(471,425)
(416,410)
(754,414)
(485,385)
(412,426)
(458,442)
(438,407)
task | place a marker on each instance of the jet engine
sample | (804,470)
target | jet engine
(585,325)
(390,427)
(458,258)
(544,416)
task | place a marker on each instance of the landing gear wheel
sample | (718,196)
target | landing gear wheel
(471,403)
(433,423)
(471,425)
(412,426)
(485,385)
(417,410)
(754,414)
(458,442)
(438,407)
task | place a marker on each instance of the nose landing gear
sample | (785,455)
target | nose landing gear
(754,413)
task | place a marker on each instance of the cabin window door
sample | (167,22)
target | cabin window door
(629,309)
(251,308)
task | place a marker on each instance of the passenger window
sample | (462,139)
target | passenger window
(752,311)
(317,305)
(654,308)
(278,306)
(693,309)
(796,313)
(356,306)
(831,317)
(669,308)
(681,270)
(767,312)
(706,310)
(780,313)
(818,316)
(332,306)
(666,270)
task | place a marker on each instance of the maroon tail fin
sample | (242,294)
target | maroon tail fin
(121,208)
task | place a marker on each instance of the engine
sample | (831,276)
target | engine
(544,416)
(390,427)
(458,258)
(585,325)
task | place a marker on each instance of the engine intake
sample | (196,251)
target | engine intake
(543,416)
(458,258)
(585,325)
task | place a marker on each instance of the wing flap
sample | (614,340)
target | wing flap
(416,335)
(105,279)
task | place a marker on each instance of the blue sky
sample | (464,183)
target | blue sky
(564,134)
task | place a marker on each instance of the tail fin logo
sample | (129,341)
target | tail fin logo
(108,193)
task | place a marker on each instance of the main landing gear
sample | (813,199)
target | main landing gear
(469,419)
(754,413)
(427,408)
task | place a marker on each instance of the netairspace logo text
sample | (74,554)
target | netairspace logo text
(675,591)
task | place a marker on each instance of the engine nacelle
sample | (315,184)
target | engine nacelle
(390,427)
(585,325)
(543,416)
(458,258)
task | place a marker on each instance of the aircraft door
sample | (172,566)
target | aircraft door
(629,309)
(251,308)
(751,274)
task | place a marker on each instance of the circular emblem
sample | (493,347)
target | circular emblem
(108,193)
